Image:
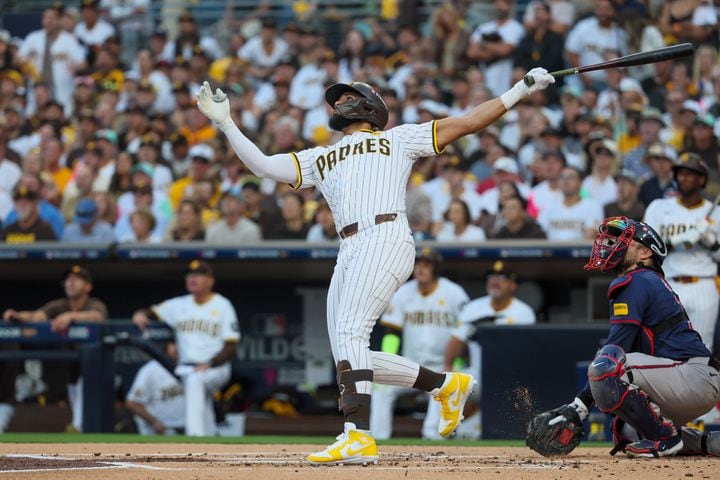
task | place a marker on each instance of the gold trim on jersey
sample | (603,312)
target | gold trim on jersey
(691,207)
(435,142)
(231,340)
(367,130)
(299,173)
(206,301)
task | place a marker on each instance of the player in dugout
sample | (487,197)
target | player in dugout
(363,179)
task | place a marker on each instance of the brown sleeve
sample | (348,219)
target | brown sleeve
(98,306)
(55,307)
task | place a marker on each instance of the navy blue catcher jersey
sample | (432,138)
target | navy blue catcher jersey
(646,316)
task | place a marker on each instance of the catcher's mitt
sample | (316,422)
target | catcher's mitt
(558,439)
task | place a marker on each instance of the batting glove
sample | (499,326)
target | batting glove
(577,406)
(708,235)
(688,238)
(216,107)
(520,90)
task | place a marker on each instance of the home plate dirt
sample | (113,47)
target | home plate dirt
(278,462)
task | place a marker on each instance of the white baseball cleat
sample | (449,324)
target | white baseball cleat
(353,446)
(452,395)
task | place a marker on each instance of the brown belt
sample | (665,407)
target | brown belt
(688,279)
(352,229)
(714,363)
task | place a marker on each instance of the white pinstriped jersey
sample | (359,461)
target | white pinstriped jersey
(201,330)
(426,321)
(668,216)
(365,174)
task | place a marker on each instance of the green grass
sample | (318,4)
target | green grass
(251,439)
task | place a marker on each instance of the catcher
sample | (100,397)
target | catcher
(654,373)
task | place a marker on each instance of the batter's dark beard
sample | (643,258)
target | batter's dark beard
(338,122)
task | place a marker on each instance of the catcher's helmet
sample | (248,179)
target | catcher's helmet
(694,163)
(370,107)
(614,237)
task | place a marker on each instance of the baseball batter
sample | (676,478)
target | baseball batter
(363,178)
(654,373)
(692,239)
(426,310)
(207,332)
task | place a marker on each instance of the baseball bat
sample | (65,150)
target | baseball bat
(642,58)
(714,205)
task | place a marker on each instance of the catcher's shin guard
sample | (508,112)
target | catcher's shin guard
(613,395)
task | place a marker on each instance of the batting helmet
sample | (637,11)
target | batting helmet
(614,237)
(694,163)
(431,256)
(369,107)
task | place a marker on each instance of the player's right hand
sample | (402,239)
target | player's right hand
(688,238)
(215,106)
(577,406)
(9,315)
(158,426)
(542,79)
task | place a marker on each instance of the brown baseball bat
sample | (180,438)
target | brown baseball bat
(642,58)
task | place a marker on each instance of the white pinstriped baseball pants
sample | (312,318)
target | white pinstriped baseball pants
(371,266)
(701,301)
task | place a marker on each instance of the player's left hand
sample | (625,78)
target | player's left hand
(707,235)
(577,407)
(61,322)
(215,106)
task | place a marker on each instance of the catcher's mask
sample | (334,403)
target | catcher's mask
(613,238)
(369,107)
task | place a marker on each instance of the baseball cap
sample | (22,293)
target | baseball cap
(691,161)
(24,193)
(429,255)
(142,167)
(506,164)
(79,271)
(500,268)
(199,267)
(85,211)
(551,131)
(202,151)
(108,135)
(662,150)
(606,144)
(690,106)
(652,114)
(628,84)
(628,175)
(434,108)
(706,119)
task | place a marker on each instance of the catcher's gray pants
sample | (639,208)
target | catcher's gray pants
(683,391)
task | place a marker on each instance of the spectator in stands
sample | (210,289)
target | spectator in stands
(651,124)
(457,226)
(599,183)
(260,208)
(505,170)
(87,226)
(76,306)
(264,51)
(687,20)
(702,140)
(142,224)
(323,230)
(77,188)
(627,204)
(52,153)
(55,55)
(29,227)
(541,44)
(207,332)
(574,218)
(661,184)
(92,31)
(121,181)
(149,153)
(233,227)
(516,223)
(188,223)
(201,155)
(293,224)
(590,37)
(493,44)
(547,193)
(457,186)
(48,212)
(449,39)
(157,399)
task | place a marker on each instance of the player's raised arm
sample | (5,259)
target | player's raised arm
(281,167)
(451,128)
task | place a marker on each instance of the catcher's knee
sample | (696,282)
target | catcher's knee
(604,374)
(347,379)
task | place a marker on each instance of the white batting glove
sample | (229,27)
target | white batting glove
(578,406)
(708,235)
(520,90)
(216,107)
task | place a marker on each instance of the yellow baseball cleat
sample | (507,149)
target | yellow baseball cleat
(452,395)
(352,447)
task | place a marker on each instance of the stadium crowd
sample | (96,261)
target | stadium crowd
(101,141)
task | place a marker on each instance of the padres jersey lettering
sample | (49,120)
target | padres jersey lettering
(201,330)
(365,173)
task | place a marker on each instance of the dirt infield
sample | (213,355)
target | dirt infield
(278,462)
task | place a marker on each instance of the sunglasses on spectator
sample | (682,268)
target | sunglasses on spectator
(142,191)
(603,151)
